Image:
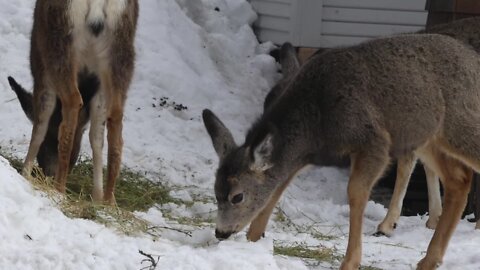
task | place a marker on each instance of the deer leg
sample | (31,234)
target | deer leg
(456,178)
(96,136)
(259,224)
(71,104)
(115,102)
(115,145)
(367,168)
(46,101)
(434,198)
(404,170)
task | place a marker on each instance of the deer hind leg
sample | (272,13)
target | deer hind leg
(367,167)
(434,198)
(71,103)
(116,80)
(456,178)
(404,170)
(259,224)
(114,104)
(45,100)
(463,141)
(96,136)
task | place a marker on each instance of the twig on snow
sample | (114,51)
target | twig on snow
(187,233)
(149,259)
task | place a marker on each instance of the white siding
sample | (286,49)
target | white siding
(328,23)
(276,20)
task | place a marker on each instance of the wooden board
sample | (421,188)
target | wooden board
(467,6)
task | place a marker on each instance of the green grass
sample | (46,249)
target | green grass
(133,191)
(280,217)
(323,237)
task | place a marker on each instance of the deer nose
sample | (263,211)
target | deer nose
(222,235)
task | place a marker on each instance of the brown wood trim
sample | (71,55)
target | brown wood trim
(467,6)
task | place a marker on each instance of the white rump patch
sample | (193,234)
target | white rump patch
(95,11)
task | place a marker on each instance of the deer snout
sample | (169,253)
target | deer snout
(222,235)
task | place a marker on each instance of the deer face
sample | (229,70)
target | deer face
(48,153)
(244,182)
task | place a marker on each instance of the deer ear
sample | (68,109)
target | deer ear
(221,137)
(288,60)
(25,98)
(262,155)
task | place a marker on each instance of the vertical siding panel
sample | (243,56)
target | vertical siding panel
(310,17)
(296,35)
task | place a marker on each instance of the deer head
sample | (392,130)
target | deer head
(247,175)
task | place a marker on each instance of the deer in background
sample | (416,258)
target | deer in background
(383,99)
(290,65)
(71,38)
(465,30)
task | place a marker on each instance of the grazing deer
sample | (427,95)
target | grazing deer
(290,65)
(69,38)
(47,156)
(372,102)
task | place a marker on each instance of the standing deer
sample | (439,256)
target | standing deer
(465,30)
(68,39)
(290,66)
(372,102)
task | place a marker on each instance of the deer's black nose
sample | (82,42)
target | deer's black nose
(222,235)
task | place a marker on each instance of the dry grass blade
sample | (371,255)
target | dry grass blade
(319,254)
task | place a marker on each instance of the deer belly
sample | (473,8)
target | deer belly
(410,134)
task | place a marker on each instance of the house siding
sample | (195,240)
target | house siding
(330,23)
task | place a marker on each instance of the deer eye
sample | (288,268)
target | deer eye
(237,198)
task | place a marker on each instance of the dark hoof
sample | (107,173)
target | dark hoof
(222,235)
(395,225)
(379,233)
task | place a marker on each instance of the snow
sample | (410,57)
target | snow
(200,54)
